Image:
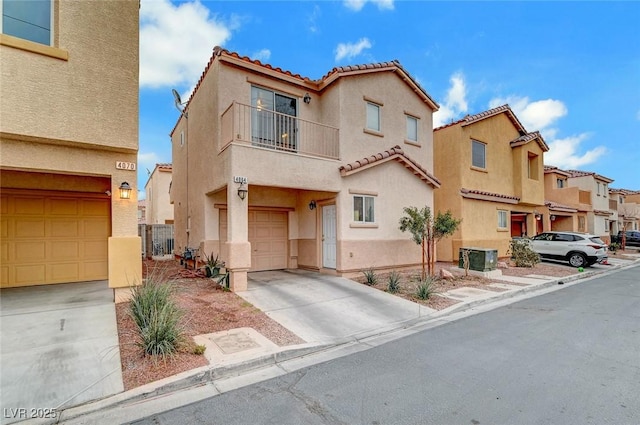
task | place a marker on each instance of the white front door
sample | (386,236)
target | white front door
(329,237)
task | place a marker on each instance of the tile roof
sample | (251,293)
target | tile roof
(578,173)
(602,212)
(395,153)
(625,191)
(479,194)
(560,207)
(470,119)
(165,166)
(524,139)
(551,169)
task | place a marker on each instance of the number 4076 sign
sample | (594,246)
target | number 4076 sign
(122,165)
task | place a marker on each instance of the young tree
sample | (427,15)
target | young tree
(426,230)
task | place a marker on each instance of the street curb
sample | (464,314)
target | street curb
(209,374)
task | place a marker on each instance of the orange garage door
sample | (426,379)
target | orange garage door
(53,238)
(268,238)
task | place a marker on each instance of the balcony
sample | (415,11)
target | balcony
(263,128)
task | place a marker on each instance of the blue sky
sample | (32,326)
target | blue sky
(568,69)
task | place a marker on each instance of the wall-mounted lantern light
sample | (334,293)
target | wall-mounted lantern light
(307,98)
(553,218)
(312,205)
(125,191)
(242,191)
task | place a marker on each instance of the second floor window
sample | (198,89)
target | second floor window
(29,20)
(373,116)
(560,183)
(412,128)
(273,119)
(478,154)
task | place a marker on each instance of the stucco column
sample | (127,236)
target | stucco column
(238,246)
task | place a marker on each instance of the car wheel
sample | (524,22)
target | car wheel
(577,260)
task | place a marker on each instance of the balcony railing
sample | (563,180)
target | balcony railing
(273,130)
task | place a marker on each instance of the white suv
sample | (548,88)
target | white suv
(579,249)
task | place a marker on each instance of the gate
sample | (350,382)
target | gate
(157,240)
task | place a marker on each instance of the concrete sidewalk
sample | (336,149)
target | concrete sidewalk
(243,357)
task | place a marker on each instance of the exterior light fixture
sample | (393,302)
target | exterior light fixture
(307,98)
(125,191)
(312,205)
(242,191)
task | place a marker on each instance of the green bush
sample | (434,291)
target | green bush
(199,349)
(157,318)
(426,287)
(522,254)
(614,246)
(370,276)
(393,283)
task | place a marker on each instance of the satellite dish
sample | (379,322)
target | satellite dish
(178,102)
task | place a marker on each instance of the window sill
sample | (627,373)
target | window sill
(30,46)
(412,143)
(363,225)
(500,229)
(373,132)
(482,170)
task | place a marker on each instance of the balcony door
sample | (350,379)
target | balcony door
(273,120)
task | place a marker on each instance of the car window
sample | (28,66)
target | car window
(597,240)
(542,237)
(561,237)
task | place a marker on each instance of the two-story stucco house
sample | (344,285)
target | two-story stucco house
(628,209)
(159,209)
(597,219)
(567,207)
(273,170)
(69,141)
(492,177)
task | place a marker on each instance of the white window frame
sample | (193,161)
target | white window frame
(484,154)
(182,138)
(502,218)
(51,24)
(373,108)
(412,124)
(363,212)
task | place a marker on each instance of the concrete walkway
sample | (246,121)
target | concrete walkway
(59,348)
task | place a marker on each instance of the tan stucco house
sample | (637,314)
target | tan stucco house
(627,203)
(492,177)
(567,207)
(159,209)
(69,140)
(272,170)
(596,186)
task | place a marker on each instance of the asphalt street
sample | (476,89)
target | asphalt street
(567,357)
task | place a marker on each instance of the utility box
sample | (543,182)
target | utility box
(480,259)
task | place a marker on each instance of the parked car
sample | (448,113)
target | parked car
(632,238)
(579,249)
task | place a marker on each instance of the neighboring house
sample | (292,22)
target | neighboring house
(597,219)
(566,207)
(272,170)
(492,177)
(142,211)
(628,209)
(159,209)
(69,140)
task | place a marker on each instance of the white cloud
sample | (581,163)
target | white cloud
(357,5)
(564,153)
(176,41)
(313,18)
(538,115)
(262,55)
(455,102)
(148,160)
(350,50)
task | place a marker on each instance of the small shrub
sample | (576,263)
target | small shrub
(393,283)
(370,276)
(614,246)
(426,287)
(157,317)
(199,349)
(522,254)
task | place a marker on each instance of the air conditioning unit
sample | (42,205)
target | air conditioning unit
(480,259)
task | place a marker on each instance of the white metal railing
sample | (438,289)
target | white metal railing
(269,129)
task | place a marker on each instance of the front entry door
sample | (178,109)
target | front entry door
(329,237)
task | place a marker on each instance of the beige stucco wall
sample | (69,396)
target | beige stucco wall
(159,207)
(80,115)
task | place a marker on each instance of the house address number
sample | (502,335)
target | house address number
(122,165)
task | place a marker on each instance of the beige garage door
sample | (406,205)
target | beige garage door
(268,238)
(53,238)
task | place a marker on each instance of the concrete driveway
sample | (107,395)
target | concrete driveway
(59,347)
(321,308)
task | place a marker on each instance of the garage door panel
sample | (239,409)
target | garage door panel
(28,205)
(30,251)
(30,274)
(4,205)
(63,206)
(26,228)
(53,238)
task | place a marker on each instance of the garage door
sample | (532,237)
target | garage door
(268,238)
(53,238)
